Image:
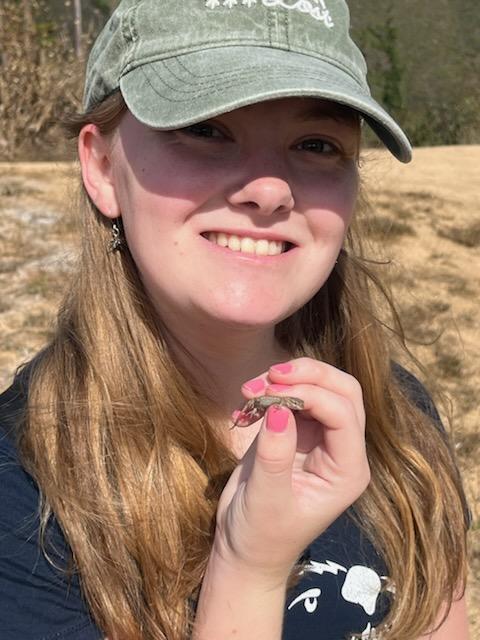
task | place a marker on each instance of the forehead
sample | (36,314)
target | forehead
(298,109)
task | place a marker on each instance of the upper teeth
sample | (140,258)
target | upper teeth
(261,247)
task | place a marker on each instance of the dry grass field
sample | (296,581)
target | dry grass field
(426,225)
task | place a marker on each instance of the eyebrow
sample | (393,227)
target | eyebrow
(323,111)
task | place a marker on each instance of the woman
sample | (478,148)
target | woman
(221,263)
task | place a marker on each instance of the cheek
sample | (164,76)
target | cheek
(331,200)
(155,200)
(172,182)
(172,174)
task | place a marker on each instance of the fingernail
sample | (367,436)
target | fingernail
(256,385)
(279,387)
(283,367)
(277,419)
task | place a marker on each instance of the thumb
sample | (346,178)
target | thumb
(275,452)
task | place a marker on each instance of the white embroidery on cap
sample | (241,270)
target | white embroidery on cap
(315,8)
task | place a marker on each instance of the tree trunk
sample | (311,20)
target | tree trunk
(27,33)
(77,9)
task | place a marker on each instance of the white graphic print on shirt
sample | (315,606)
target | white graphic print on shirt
(317,9)
(361,586)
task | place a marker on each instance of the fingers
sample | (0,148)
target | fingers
(276,441)
(271,473)
(342,434)
(303,468)
(308,371)
(302,370)
(332,398)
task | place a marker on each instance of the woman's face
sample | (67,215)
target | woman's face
(276,182)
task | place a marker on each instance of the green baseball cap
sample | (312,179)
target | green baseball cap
(178,62)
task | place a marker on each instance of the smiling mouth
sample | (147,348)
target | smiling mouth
(245,244)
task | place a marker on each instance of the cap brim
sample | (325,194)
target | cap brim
(175,92)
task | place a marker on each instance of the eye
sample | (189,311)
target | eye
(320,146)
(202,130)
(308,598)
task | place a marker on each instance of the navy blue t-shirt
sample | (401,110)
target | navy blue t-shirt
(344,587)
(37,601)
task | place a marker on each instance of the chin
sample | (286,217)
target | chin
(249,316)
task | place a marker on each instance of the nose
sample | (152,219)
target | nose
(263,195)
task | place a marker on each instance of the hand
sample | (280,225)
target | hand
(293,483)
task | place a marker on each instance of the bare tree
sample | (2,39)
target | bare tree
(39,76)
(77,11)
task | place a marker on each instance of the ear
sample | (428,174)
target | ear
(95,159)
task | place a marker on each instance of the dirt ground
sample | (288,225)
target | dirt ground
(425,226)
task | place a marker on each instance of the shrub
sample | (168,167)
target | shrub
(40,77)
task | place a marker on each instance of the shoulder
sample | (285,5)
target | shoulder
(416,393)
(37,600)
(415,390)
(420,397)
(12,406)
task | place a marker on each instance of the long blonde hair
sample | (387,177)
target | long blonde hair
(128,455)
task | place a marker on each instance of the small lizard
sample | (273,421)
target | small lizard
(256,408)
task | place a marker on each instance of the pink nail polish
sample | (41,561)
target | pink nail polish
(277,419)
(279,387)
(256,385)
(283,367)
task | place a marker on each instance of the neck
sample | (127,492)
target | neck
(221,358)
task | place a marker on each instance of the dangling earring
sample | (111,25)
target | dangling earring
(117,241)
